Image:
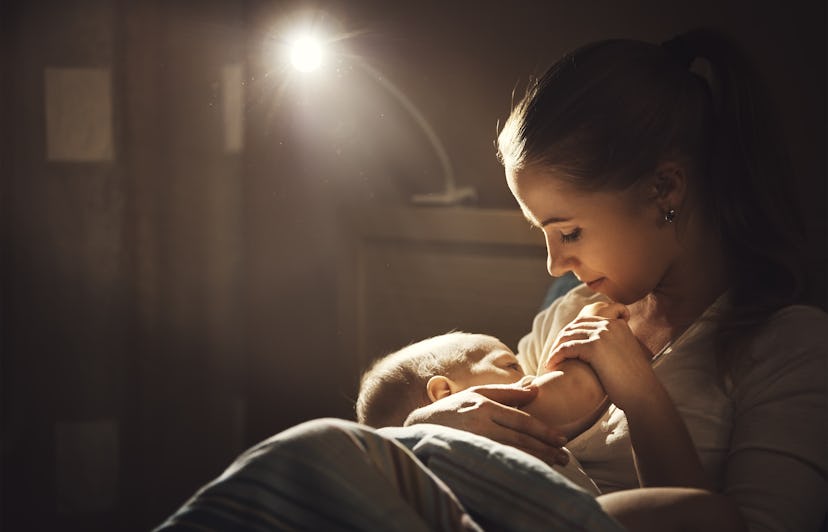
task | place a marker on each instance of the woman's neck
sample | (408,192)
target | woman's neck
(694,281)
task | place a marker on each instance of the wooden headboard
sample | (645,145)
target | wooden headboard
(412,272)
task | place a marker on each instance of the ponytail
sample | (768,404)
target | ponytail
(749,186)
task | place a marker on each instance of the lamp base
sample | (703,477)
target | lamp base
(450,196)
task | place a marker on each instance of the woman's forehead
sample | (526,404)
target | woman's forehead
(545,197)
(543,193)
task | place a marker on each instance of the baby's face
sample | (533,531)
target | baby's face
(489,362)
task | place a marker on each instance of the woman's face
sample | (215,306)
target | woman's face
(616,242)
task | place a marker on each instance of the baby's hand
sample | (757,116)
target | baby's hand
(603,309)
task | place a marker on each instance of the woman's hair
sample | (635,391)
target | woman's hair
(395,385)
(606,115)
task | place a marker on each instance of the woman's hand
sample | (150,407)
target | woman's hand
(601,337)
(491,411)
(664,452)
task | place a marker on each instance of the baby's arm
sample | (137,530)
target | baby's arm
(570,398)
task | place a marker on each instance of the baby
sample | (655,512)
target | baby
(434,368)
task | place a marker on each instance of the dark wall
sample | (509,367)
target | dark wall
(122,346)
(172,302)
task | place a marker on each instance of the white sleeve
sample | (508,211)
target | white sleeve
(533,348)
(530,347)
(776,471)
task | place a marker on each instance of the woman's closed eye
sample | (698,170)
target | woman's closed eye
(572,236)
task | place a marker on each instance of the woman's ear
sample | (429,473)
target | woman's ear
(669,185)
(438,387)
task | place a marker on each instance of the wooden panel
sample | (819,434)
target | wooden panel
(417,272)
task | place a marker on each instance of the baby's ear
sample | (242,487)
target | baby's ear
(438,387)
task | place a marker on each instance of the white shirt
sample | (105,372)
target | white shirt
(761,437)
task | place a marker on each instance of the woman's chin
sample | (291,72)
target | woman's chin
(625,297)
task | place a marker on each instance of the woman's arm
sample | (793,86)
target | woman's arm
(664,452)
(673,510)
(778,462)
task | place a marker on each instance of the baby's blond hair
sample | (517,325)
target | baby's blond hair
(395,385)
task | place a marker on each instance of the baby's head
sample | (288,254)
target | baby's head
(431,369)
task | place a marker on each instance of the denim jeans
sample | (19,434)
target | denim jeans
(332,474)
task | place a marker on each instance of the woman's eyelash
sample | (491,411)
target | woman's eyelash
(571,237)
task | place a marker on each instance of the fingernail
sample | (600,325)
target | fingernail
(562,458)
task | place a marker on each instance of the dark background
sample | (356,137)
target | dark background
(163,310)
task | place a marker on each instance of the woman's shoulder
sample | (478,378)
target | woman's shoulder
(793,341)
(800,312)
(796,325)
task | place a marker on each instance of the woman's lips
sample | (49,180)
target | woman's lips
(594,284)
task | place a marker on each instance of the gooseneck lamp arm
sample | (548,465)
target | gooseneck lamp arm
(452,194)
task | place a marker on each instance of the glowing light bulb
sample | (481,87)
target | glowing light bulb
(306,54)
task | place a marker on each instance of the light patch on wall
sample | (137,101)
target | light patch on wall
(233,104)
(87,466)
(78,114)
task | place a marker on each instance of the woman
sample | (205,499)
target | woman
(664,190)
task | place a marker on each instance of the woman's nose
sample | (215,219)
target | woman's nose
(557,266)
(558,262)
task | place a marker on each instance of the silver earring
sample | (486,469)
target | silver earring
(669,216)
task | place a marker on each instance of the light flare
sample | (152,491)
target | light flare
(306,53)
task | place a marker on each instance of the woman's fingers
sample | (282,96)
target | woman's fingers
(507,394)
(491,411)
(615,311)
(576,348)
(611,311)
(552,457)
(586,319)
(579,333)
(519,429)
(528,430)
